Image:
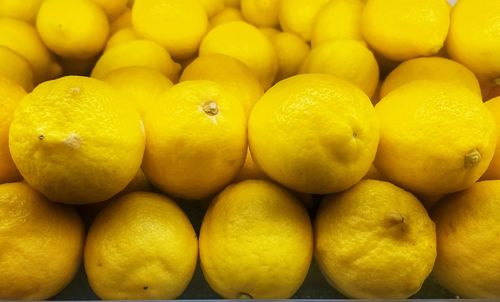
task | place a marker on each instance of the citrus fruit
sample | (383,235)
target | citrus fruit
(196,140)
(75,141)
(212,7)
(21,10)
(468,260)
(493,171)
(41,244)
(261,12)
(228,14)
(374,241)
(314,133)
(246,43)
(291,52)
(435,137)
(122,36)
(405,29)
(141,246)
(232,3)
(298,16)
(122,21)
(16,68)
(255,242)
(112,8)
(250,170)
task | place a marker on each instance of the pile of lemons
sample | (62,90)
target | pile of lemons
(384,111)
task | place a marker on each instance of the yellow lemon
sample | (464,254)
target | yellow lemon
(196,140)
(291,51)
(228,14)
(350,60)
(269,32)
(250,170)
(256,242)
(16,68)
(112,8)
(41,244)
(22,38)
(405,29)
(122,36)
(430,68)
(76,141)
(140,86)
(10,97)
(468,258)
(230,73)
(474,38)
(73,29)
(339,19)
(314,133)
(22,10)
(298,16)
(178,26)
(141,246)
(493,171)
(435,137)
(137,53)
(122,21)
(246,43)
(212,7)
(374,174)
(261,12)
(232,3)
(374,241)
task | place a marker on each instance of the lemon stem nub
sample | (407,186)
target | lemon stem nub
(41,137)
(472,159)
(396,218)
(244,296)
(211,108)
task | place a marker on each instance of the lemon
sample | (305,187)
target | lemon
(250,170)
(430,68)
(230,73)
(261,12)
(112,8)
(41,244)
(22,10)
(291,51)
(30,47)
(474,38)
(256,242)
(493,171)
(339,19)
(137,53)
(122,21)
(298,16)
(10,97)
(196,140)
(314,133)
(141,246)
(178,26)
(467,228)
(228,14)
(374,241)
(74,140)
(374,174)
(269,32)
(435,137)
(15,68)
(122,36)
(232,3)
(140,86)
(212,7)
(73,29)
(350,60)
(405,29)
(246,43)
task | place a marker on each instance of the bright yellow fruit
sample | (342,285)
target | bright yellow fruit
(122,36)
(142,246)
(430,68)
(256,242)
(73,29)
(212,7)
(139,86)
(41,244)
(405,29)
(10,97)
(298,16)
(250,170)
(261,12)
(230,73)
(16,68)
(112,8)
(228,14)
(22,38)
(493,171)
(25,10)
(435,137)
(232,3)
(269,32)
(178,26)
(375,241)
(137,53)
(246,43)
(291,51)
(314,133)
(76,141)
(474,38)
(196,140)
(467,227)
(350,60)
(339,19)
(122,21)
